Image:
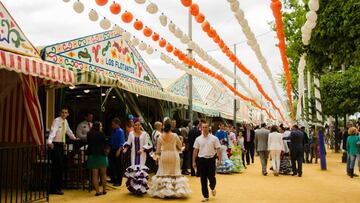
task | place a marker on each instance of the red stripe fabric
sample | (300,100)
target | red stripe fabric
(19,66)
(3,58)
(34,67)
(27,66)
(12,61)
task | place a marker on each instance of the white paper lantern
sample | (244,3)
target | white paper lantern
(313,5)
(172,27)
(140,1)
(163,20)
(135,41)
(234,6)
(239,14)
(118,29)
(78,7)
(167,60)
(305,41)
(66,1)
(185,39)
(305,30)
(162,56)
(191,45)
(142,46)
(152,8)
(311,16)
(149,50)
(126,36)
(310,25)
(93,15)
(178,33)
(105,24)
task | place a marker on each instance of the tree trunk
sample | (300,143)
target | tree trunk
(337,135)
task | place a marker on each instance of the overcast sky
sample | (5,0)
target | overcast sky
(47,22)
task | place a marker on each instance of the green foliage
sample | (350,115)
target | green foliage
(335,41)
(340,92)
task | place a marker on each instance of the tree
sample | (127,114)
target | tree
(340,92)
(335,41)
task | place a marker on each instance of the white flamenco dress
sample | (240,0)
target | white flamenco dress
(227,166)
(168,181)
(137,174)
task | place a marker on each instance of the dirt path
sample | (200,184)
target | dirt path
(315,186)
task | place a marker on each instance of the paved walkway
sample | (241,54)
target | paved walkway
(315,186)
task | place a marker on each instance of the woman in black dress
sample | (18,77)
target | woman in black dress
(97,159)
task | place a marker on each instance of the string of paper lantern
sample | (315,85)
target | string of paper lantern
(178,33)
(306,29)
(183,67)
(252,42)
(310,23)
(211,32)
(301,68)
(127,17)
(276,9)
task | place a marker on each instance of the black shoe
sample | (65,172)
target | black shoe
(185,173)
(300,174)
(265,174)
(116,184)
(294,174)
(104,193)
(98,194)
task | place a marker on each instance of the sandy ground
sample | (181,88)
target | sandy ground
(316,185)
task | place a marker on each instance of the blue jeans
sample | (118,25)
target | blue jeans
(352,159)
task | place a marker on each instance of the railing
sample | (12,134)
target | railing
(76,175)
(24,173)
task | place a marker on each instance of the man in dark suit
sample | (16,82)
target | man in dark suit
(249,138)
(296,149)
(193,134)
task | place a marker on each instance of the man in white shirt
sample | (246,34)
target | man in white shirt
(84,127)
(57,138)
(206,147)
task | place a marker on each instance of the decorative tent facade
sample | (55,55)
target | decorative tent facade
(21,73)
(105,59)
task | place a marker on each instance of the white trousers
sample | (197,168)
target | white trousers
(275,155)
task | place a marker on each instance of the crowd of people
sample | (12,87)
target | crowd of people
(171,152)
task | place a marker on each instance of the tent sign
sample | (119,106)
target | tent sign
(105,53)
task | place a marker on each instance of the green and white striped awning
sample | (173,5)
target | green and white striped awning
(94,78)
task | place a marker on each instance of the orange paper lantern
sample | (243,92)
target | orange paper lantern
(182,57)
(101,2)
(162,42)
(115,8)
(212,33)
(147,32)
(205,26)
(194,9)
(155,37)
(127,17)
(186,3)
(169,48)
(216,39)
(138,25)
(200,18)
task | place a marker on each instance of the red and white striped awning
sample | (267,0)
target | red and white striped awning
(36,67)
